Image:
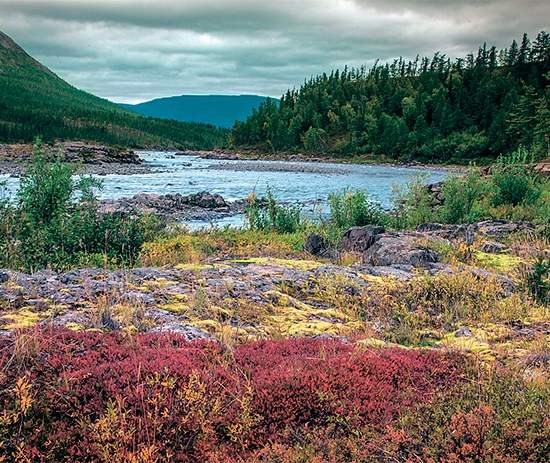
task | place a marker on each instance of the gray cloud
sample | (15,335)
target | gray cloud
(133,51)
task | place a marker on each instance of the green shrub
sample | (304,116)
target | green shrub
(513,180)
(413,206)
(269,215)
(354,209)
(55,223)
(463,198)
(315,140)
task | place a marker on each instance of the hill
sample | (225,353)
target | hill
(219,110)
(434,110)
(35,101)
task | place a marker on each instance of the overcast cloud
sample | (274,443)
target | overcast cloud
(136,50)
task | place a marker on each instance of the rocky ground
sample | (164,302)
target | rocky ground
(355,291)
(90,158)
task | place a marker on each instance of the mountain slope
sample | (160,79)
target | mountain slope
(220,110)
(34,101)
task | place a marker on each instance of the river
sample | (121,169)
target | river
(303,182)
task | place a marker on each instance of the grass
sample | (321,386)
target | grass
(197,247)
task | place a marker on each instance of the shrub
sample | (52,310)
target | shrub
(354,209)
(92,397)
(56,223)
(463,198)
(186,247)
(315,140)
(513,180)
(268,214)
(413,206)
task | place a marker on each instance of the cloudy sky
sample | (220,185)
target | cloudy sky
(135,50)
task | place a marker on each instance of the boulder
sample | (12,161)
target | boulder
(502,228)
(359,239)
(206,200)
(463,332)
(436,192)
(399,248)
(316,245)
(187,331)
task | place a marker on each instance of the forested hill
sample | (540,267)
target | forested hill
(220,110)
(437,109)
(34,101)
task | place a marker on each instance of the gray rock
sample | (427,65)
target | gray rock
(398,248)
(501,228)
(4,277)
(359,239)
(492,247)
(463,332)
(316,245)
(189,332)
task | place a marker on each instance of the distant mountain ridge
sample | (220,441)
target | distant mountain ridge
(220,110)
(36,102)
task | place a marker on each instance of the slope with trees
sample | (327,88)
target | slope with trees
(34,101)
(437,109)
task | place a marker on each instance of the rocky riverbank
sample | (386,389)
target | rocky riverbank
(284,157)
(90,158)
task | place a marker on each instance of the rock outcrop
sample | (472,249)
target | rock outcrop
(379,248)
(197,206)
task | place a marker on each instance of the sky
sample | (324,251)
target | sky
(137,50)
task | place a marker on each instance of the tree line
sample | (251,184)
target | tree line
(428,109)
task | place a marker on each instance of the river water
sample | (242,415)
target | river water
(306,183)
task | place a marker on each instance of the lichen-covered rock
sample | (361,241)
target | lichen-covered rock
(399,248)
(203,205)
(492,247)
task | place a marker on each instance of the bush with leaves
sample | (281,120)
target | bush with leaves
(268,214)
(55,223)
(355,209)
(463,198)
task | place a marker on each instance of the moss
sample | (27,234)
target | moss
(200,266)
(24,318)
(297,264)
(500,262)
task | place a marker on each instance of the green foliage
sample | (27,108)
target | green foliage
(354,209)
(33,100)
(433,109)
(269,215)
(514,182)
(55,223)
(315,140)
(413,206)
(463,198)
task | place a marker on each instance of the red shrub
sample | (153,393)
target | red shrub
(155,398)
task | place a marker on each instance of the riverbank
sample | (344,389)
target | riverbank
(255,155)
(87,158)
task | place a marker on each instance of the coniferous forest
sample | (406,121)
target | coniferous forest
(433,110)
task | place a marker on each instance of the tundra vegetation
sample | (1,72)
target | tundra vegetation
(254,345)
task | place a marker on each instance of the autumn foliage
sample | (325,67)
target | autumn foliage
(94,397)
